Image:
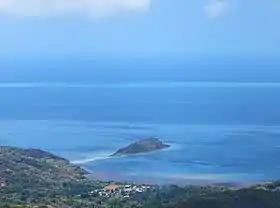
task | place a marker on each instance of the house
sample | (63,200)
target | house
(111,188)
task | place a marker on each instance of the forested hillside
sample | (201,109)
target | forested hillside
(35,178)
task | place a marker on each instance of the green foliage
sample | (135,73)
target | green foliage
(262,196)
(32,178)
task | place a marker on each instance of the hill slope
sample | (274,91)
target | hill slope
(261,196)
(31,176)
(33,167)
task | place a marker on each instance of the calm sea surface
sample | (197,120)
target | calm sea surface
(222,132)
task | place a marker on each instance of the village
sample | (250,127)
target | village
(123,191)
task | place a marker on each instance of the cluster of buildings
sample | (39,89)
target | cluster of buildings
(125,191)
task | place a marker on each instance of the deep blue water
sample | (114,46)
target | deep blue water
(218,131)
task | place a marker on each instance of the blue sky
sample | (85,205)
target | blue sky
(124,28)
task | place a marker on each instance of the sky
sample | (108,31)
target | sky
(135,28)
(140,39)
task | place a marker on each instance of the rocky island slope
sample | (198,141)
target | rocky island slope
(142,146)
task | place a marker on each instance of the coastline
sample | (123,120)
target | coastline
(105,156)
(190,179)
(231,180)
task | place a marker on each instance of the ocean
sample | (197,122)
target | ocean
(221,132)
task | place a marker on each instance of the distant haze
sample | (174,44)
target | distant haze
(102,70)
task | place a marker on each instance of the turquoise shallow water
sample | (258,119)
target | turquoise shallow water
(198,152)
(221,132)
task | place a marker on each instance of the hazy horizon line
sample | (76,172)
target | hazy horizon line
(138,84)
